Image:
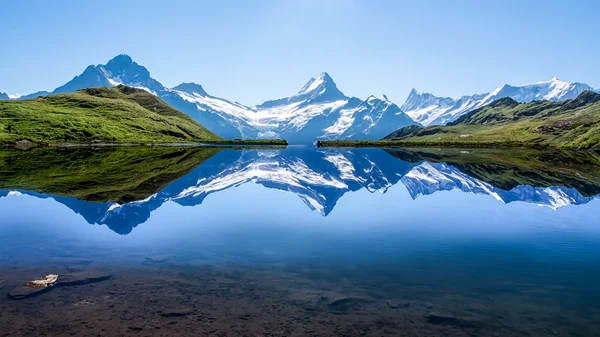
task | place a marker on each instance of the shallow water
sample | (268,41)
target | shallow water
(302,241)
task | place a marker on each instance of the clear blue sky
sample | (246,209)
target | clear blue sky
(251,51)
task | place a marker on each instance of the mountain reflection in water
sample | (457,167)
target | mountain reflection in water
(120,187)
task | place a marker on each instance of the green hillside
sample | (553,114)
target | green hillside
(98,115)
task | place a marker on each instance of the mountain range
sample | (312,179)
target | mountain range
(318,111)
(568,124)
(320,178)
(428,109)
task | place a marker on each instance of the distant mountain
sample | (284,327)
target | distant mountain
(428,109)
(318,111)
(4,96)
(34,95)
(572,124)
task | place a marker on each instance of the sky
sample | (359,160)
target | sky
(252,51)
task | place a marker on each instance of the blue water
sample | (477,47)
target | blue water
(354,222)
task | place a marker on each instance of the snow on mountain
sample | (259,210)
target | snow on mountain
(318,111)
(429,178)
(428,109)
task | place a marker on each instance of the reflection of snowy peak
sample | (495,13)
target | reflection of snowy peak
(428,109)
(319,178)
(429,178)
(319,110)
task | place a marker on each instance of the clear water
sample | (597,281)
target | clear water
(303,241)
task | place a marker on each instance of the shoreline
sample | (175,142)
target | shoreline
(396,144)
(25,145)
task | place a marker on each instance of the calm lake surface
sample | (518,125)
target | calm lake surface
(301,242)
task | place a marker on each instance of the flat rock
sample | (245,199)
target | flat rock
(82,277)
(27,292)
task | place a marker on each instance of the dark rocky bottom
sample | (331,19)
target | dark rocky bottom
(162,299)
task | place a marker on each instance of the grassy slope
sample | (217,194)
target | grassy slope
(111,115)
(507,169)
(119,174)
(573,124)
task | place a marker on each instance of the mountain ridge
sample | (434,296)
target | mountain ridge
(573,123)
(429,109)
(301,118)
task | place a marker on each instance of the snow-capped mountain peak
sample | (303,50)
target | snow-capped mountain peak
(318,85)
(428,109)
(318,111)
(191,88)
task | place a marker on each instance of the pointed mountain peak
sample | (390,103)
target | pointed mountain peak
(191,88)
(383,97)
(122,59)
(414,92)
(325,77)
(319,85)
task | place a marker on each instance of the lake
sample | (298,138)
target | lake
(189,241)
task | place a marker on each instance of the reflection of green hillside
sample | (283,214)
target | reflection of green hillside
(507,169)
(119,174)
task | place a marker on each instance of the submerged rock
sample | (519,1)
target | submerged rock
(45,282)
(176,312)
(38,287)
(26,292)
(83,277)
(34,288)
(344,303)
(449,319)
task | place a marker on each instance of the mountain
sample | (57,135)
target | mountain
(34,95)
(4,96)
(318,111)
(112,115)
(428,109)
(573,124)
